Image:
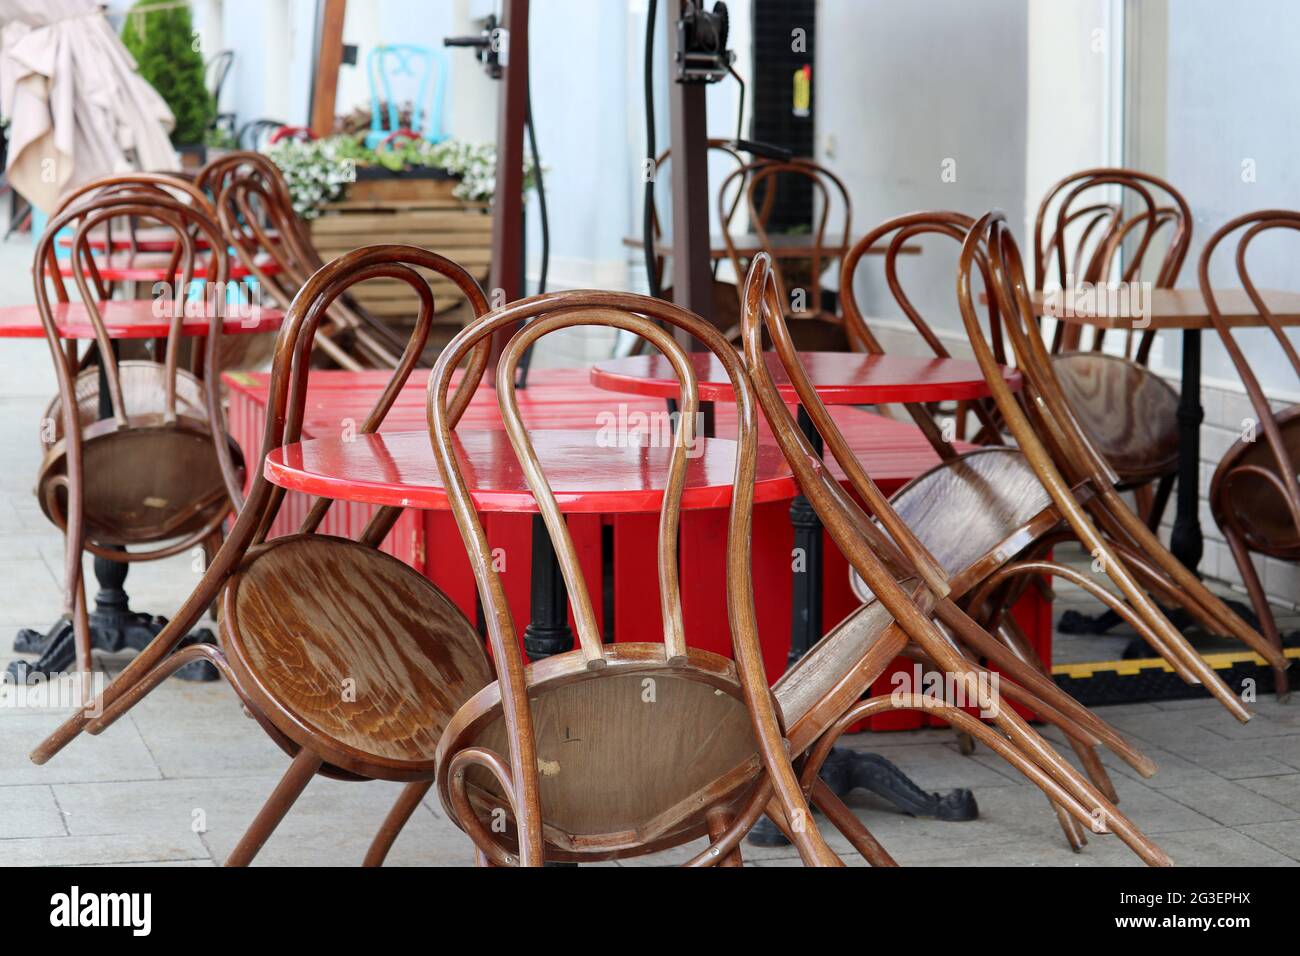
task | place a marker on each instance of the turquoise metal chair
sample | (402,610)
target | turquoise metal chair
(420,63)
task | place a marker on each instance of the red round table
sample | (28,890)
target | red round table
(125,266)
(588,474)
(113,625)
(840,378)
(128,319)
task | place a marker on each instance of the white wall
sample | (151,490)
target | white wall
(903,85)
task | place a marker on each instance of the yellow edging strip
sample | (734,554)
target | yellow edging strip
(1220,662)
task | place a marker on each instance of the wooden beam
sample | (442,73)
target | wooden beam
(507,274)
(329,57)
(692,274)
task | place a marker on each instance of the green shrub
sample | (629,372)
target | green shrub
(163,44)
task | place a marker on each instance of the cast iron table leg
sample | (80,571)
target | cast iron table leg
(113,625)
(846,770)
(1186,541)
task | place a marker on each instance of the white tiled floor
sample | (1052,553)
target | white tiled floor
(179,778)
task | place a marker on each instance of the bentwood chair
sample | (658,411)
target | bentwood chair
(1008,471)
(305,614)
(707,756)
(256,211)
(725,295)
(914,588)
(1092,227)
(817,325)
(138,455)
(1254,495)
(1062,457)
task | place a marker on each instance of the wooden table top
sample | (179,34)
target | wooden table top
(1172,309)
(590,471)
(784,245)
(841,378)
(128,319)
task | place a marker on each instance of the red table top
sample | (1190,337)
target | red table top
(841,378)
(893,452)
(587,474)
(148,239)
(153,267)
(127,319)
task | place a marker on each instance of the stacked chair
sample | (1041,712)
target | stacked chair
(1053,466)
(256,211)
(1254,495)
(289,630)
(1092,226)
(138,454)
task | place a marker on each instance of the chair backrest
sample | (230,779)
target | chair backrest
(252,205)
(1081,229)
(1256,224)
(761,181)
(1050,437)
(287,397)
(419,63)
(727,207)
(895,234)
(160,415)
(641,316)
(129,201)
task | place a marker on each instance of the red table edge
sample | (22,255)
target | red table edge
(830,394)
(430,498)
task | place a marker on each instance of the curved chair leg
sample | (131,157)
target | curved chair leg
(719,820)
(1267,623)
(1104,816)
(847,822)
(406,804)
(288,790)
(980,644)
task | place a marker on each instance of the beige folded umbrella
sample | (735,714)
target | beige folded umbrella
(76,106)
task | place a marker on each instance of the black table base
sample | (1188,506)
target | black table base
(114,627)
(846,770)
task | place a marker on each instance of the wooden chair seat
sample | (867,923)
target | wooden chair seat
(1128,413)
(151,481)
(144,390)
(639,739)
(992,495)
(1258,507)
(351,652)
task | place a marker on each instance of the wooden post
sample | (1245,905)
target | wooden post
(508,200)
(692,275)
(329,57)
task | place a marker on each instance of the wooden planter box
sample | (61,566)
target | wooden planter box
(415,210)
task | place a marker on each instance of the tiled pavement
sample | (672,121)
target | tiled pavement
(176,780)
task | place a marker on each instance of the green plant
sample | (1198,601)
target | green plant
(163,44)
(317,171)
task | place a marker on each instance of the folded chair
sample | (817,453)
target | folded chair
(304,614)
(1047,434)
(1087,482)
(138,455)
(1091,226)
(902,575)
(256,212)
(1254,495)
